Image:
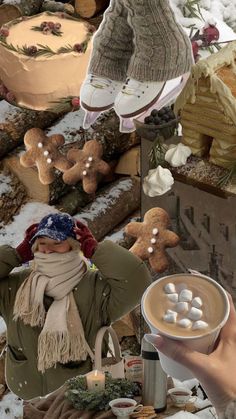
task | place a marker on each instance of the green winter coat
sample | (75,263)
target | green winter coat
(102,296)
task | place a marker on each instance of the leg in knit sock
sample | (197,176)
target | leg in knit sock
(112,44)
(162,50)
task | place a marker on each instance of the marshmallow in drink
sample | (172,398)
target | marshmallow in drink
(199,325)
(181,307)
(184,323)
(197,302)
(195,313)
(185,295)
(173,297)
(169,288)
(170,316)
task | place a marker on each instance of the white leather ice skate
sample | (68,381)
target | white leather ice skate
(136,96)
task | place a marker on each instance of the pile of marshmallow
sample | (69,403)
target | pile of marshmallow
(185,306)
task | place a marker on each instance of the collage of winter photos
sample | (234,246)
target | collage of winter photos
(117,209)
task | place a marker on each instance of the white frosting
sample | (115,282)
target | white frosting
(199,324)
(195,313)
(185,295)
(177,155)
(184,323)
(150,250)
(170,316)
(157,182)
(169,288)
(40,145)
(87,165)
(153,241)
(46,153)
(57,76)
(49,160)
(90,158)
(181,307)
(84,173)
(197,302)
(173,297)
(155,231)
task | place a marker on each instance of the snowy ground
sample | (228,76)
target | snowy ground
(221,10)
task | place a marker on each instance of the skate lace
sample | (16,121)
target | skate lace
(132,87)
(100,83)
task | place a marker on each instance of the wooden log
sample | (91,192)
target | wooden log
(111,206)
(55,6)
(12,197)
(89,8)
(20,8)
(15,122)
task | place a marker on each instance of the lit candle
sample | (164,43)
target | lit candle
(95,380)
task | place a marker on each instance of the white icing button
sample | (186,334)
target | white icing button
(87,165)
(184,323)
(90,158)
(195,313)
(155,231)
(150,250)
(40,145)
(170,316)
(185,295)
(181,307)
(49,161)
(197,302)
(46,153)
(153,241)
(84,173)
(173,297)
(200,324)
(169,288)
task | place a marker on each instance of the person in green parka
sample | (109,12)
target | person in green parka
(54,308)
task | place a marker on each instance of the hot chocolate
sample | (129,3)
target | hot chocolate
(185,305)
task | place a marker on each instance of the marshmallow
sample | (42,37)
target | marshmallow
(169,288)
(153,241)
(173,297)
(185,295)
(90,158)
(49,160)
(150,250)
(84,173)
(155,231)
(170,316)
(200,324)
(195,313)
(184,323)
(181,307)
(40,145)
(197,302)
(46,153)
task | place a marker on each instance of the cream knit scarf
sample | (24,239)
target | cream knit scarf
(62,337)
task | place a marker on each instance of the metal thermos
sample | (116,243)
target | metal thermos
(154,390)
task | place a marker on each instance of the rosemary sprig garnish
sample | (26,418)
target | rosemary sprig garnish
(227,177)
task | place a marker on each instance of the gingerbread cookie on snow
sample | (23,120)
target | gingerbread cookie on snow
(42,152)
(152,238)
(88,164)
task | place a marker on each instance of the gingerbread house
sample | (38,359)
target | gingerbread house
(207,106)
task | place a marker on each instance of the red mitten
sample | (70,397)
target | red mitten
(24,248)
(87,241)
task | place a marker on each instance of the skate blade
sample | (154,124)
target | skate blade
(126,125)
(90,118)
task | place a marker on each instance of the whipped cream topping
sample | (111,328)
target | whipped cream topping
(177,155)
(157,182)
(187,309)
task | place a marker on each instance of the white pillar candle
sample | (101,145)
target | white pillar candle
(95,380)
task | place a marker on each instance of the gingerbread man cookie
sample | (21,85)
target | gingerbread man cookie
(88,164)
(42,152)
(152,238)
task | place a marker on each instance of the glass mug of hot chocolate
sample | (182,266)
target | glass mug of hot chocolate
(188,307)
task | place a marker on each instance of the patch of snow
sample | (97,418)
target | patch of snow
(68,125)
(11,407)
(5,186)
(31,213)
(3,326)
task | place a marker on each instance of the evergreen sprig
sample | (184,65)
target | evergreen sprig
(157,153)
(62,105)
(53,31)
(82,399)
(227,177)
(191,8)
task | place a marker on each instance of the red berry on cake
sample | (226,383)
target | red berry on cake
(10,97)
(78,48)
(4,32)
(75,102)
(210,32)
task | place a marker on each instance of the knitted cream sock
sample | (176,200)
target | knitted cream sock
(162,50)
(112,44)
